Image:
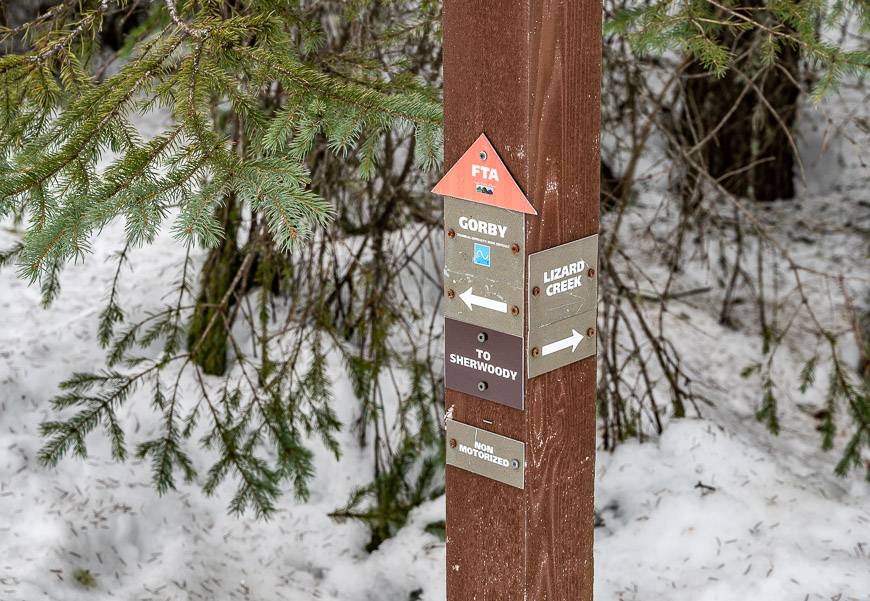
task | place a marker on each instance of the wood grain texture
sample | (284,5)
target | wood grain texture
(527,73)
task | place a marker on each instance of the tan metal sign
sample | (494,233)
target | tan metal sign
(563,282)
(485,453)
(561,343)
(484,253)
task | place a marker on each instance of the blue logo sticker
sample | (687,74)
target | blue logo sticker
(481,255)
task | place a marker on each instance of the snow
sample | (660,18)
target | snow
(702,514)
(104,517)
(716,509)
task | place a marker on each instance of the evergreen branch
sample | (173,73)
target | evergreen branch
(193,32)
(10,254)
(412,108)
(166,451)
(84,24)
(87,137)
(37,60)
(69,436)
(258,487)
(112,313)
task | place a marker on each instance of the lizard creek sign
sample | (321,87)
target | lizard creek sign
(557,344)
(564,278)
(486,453)
(563,291)
(563,282)
(484,362)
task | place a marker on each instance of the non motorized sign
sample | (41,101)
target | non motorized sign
(484,362)
(484,262)
(563,282)
(485,453)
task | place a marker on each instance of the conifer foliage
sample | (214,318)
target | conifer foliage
(696,27)
(60,119)
(266,101)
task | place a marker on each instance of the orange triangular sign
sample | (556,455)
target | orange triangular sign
(481,176)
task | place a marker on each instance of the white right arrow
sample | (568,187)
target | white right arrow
(570,342)
(481,301)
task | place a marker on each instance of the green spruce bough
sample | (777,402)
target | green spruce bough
(269,101)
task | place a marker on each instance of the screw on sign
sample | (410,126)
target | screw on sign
(522,203)
(484,258)
(485,363)
(487,454)
(562,281)
(562,305)
(481,176)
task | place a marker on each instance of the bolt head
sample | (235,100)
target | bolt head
(452,443)
(591,273)
(535,351)
(590,332)
(481,336)
(481,386)
(536,291)
(451,293)
(515,248)
(482,155)
(451,233)
(515,310)
(515,464)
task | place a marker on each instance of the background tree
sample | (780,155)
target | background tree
(743,122)
(726,109)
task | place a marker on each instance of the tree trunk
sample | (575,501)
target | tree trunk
(775,179)
(862,336)
(209,346)
(744,145)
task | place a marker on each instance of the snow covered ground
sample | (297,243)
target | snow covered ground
(717,509)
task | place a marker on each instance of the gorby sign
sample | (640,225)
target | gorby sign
(482,227)
(484,252)
(481,176)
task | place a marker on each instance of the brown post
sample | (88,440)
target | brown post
(527,74)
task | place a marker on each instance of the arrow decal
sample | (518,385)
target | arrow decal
(570,342)
(471,299)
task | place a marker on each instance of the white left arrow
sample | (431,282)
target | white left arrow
(570,342)
(472,299)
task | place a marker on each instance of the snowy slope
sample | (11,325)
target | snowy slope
(715,510)
(105,517)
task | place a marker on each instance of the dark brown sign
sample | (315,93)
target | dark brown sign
(484,362)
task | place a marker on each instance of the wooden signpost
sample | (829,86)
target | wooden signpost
(521,106)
